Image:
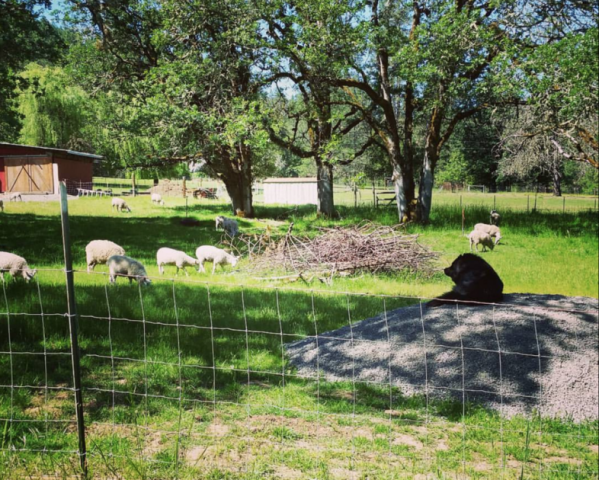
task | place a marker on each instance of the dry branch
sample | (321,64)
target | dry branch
(337,251)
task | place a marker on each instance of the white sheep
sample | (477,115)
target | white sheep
(120,204)
(479,237)
(495,218)
(14,196)
(99,251)
(217,256)
(16,266)
(492,230)
(157,198)
(169,256)
(122,266)
(228,225)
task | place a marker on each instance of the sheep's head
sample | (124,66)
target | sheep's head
(233,260)
(145,281)
(29,274)
(220,222)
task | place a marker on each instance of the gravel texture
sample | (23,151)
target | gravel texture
(531,352)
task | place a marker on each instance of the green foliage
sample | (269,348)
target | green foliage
(454,169)
(55,112)
(24,36)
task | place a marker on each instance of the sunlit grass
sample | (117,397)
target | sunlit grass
(217,378)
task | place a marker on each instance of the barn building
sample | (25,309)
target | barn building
(38,170)
(291,191)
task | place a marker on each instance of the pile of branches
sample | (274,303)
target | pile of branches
(338,251)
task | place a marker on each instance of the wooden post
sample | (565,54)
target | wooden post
(535,209)
(564,207)
(373,192)
(463,220)
(133,183)
(184,188)
(494,202)
(73,325)
(528,204)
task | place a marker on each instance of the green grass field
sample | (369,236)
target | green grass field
(197,385)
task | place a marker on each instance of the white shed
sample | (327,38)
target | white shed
(291,191)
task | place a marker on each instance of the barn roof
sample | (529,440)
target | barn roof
(291,180)
(48,149)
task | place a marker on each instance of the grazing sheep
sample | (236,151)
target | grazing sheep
(492,230)
(122,266)
(228,225)
(120,204)
(495,218)
(157,198)
(169,256)
(215,255)
(14,196)
(479,237)
(99,251)
(16,266)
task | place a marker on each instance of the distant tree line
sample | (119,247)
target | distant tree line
(420,92)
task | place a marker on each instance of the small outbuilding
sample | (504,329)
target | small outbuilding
(291,191)
(39,170)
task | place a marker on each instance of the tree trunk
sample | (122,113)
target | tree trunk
(240,192)
(403,202)
(326,204)
(556,176)
(427,180)
(239,185)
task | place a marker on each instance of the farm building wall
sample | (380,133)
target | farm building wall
(28,169)
(290,193)
(76,173)
(2,175)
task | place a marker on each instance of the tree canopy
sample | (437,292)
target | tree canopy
(450,88)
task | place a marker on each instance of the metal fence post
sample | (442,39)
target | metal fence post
(73,325)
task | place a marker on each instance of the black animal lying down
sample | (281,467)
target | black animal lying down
(474,279)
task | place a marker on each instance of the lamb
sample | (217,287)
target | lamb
(99,251)
(228,225)
(215,255)
(169,256)
(492,230)
(495,218)
(122,266)
(16,266)
(157,198)
(479,237)
(120,204)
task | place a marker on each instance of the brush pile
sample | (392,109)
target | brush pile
(339,251)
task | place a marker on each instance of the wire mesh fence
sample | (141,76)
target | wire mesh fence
(187,379)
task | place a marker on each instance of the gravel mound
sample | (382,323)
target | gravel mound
(532,352)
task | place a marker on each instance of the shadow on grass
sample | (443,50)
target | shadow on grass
(132,340)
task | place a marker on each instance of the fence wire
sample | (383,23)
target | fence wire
(185,379)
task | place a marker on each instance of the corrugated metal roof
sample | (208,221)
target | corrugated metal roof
(291,180)
(48,149)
